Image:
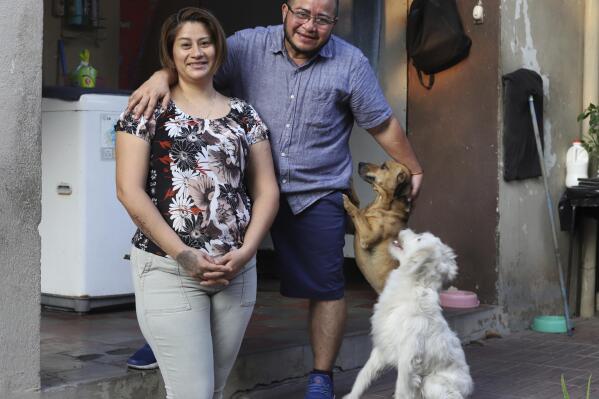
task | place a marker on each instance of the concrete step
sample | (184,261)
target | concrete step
(287,369)
(474,324)
(274,359)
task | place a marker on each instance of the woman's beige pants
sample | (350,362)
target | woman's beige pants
(194,331)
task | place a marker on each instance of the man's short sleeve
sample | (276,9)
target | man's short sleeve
(227,72)
(367,102)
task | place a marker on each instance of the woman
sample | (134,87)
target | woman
(182,177)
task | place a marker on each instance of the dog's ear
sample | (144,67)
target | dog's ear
(403,186)
(448,266)
(419,261)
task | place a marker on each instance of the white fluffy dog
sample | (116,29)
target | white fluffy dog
(408,328)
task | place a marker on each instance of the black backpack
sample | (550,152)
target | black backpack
(435,37)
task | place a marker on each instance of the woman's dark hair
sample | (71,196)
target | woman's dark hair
(171,26)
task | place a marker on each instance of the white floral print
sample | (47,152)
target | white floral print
(196,177)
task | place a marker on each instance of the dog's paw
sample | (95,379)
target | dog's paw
(349,205)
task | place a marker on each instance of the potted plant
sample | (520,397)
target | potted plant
(590,140)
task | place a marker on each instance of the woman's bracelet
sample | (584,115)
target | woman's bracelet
(419,173)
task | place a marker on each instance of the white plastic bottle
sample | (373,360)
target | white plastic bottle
(577,164)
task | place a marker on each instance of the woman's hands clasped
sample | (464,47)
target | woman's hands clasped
(203,267)
(213,271)
(235,260)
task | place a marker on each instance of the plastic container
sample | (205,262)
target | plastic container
(84,75)
(458,299)
(549,324)
(577,164)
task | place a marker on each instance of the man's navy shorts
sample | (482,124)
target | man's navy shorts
(309,248)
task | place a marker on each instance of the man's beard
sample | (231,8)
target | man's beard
(298,50)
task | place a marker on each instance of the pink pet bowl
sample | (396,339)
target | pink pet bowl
(459,299)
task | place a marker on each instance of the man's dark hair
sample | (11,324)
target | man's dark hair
(290,3)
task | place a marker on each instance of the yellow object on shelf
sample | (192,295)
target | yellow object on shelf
(84,75)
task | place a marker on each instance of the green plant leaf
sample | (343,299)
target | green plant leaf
(564,389)
(591,138)
(589,387)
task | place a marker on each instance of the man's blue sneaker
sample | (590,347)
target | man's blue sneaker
(143,359)
(320,386)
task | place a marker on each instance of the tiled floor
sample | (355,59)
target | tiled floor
(525,365)
(529,364)
(83,347)
(521,365)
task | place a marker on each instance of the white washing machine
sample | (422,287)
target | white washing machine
(86,233)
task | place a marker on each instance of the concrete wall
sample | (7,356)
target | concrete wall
(453,128)
(103,44)
(499,230)
(20,195)
(547,37)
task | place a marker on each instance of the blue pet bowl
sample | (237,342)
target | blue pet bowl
(550,324)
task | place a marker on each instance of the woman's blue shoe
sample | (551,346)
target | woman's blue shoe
(143,359)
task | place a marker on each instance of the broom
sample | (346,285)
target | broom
(535,126)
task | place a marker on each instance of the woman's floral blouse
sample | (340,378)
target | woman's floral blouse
(196,174)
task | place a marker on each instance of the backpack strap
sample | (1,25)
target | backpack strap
(431,80)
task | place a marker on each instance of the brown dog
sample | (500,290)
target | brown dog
(379,223)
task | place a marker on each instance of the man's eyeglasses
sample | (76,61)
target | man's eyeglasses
(304,16)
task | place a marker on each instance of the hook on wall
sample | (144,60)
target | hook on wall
(478,12)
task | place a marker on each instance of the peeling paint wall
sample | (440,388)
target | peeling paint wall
(20,195)
(547,37)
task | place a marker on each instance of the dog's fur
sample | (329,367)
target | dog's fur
(408,328)
(378,224)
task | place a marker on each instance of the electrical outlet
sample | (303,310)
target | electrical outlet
(107,153)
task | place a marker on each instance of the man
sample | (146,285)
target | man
(309,87)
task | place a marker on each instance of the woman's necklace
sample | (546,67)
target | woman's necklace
(209,108)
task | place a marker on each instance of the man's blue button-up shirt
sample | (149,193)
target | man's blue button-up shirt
(309,109)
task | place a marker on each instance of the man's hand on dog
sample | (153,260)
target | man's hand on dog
(416,184)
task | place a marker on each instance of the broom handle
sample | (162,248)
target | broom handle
(533,115)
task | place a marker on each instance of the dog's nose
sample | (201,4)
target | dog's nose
(397,244)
